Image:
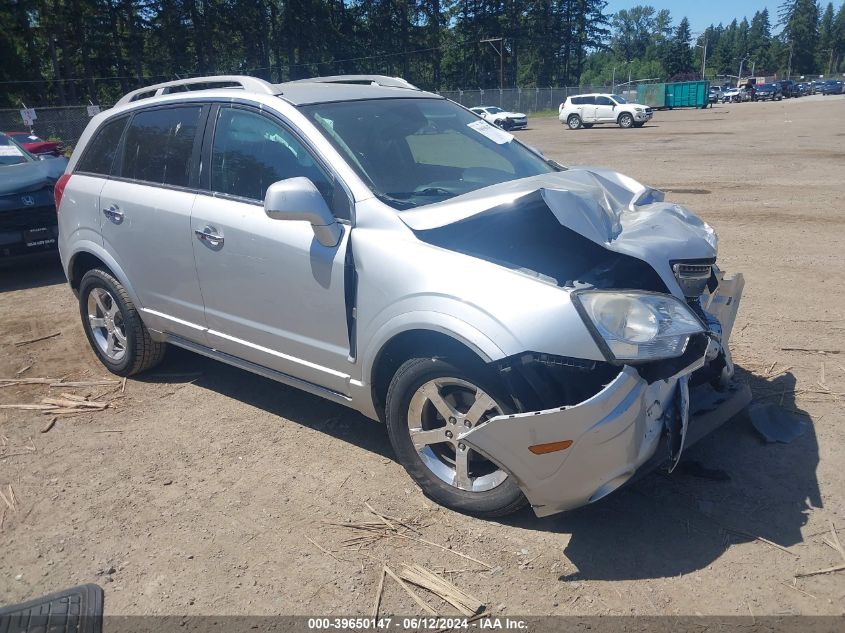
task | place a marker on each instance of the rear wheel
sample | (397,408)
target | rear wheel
(430,403)
(113,326)
(626,120)
(574,122)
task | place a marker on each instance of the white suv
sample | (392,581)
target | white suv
(587,110)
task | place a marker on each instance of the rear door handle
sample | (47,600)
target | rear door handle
(210,236)
(114,214)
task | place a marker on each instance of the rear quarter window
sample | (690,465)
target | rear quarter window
(159,144)
(99,155)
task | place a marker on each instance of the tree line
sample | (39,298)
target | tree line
(75,51)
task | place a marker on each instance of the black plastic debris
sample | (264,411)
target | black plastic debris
(776,424)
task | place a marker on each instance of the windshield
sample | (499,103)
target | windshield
(494,110)
(413,152)
(619,100)
(11,153)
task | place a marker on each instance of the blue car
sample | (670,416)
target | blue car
(833,87)
(28,222)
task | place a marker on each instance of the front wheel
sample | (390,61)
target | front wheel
(430,403)
(640,124)
(113,326)
(626,121)
(574,122)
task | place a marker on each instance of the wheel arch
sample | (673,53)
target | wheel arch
(420,341)
(89,257)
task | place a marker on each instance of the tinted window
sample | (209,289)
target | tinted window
(604,101)
(99,155)
(584,100)
(159,144)
(251,152)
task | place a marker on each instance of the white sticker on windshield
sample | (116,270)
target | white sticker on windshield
(10,150)
(492,132)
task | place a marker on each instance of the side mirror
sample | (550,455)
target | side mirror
(298,199)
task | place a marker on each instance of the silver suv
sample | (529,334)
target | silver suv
(529,333)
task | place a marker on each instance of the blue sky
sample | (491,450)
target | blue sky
(702,13)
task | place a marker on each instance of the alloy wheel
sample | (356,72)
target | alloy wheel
(440,411)
(106,322)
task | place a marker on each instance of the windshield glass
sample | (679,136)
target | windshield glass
(11,153)
(619,99)
(413,152)
(494,110)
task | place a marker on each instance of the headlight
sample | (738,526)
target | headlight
(637,326)
(638,109)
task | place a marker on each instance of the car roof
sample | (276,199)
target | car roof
(300,92)
(305,93)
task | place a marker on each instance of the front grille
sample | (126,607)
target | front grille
(28,218)
(692,277)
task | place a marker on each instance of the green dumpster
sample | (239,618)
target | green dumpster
(652,95)
(688,94)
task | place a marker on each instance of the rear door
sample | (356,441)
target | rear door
(273,294)
(587,108)
(146,215)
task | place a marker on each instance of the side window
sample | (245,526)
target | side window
(251,151)
(99,155)
(159,144)
(577,100)
(604,101)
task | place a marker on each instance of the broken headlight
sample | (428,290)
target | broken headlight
(637,326)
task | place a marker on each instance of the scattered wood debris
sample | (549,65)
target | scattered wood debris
(35,340)
(50,424)
(23,370)
(409,591)
(10,500)
(417,574)
(812,351)
(379,591)
(826,570)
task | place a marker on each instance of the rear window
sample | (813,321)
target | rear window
(583,100)
(159,144)
(99,155)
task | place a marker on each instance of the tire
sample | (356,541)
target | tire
(640,124)
(574,122)
(626,121)
(103,300)
(586,126)
(433,466)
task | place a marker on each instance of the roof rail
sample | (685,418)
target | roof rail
(252,84)
(378,80)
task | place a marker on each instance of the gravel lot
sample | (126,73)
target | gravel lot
(204,489)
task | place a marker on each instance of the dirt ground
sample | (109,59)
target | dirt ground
(208,490)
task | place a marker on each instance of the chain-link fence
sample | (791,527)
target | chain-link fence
(57,123)
(68,123)
(525,100)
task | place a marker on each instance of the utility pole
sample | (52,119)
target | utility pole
(789,71)
(741,62)
(501,52)
(703,58)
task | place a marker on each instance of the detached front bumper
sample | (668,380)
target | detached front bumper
(568,457)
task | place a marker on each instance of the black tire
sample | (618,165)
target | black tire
(574,122)
(141,352)
(626,121)
(507,125)
(640,124)
(586,126)
(505,498)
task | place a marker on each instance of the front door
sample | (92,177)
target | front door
(273,294)
(605,109)
(146,215)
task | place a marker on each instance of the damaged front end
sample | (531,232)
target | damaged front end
(629,416)
(623,255)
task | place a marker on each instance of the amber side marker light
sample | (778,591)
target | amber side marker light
(551,447)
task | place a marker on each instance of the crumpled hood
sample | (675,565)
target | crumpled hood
(30,176)
(604,206)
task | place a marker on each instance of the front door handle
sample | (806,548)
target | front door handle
(210,236)
(114,214)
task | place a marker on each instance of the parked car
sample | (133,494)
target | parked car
(769,92)
(788,88)
(714,94)
(736,95)
(27,209)
(833,87)
(587,110)
(36,145)
(528,333)
(818,85)
(502,118)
